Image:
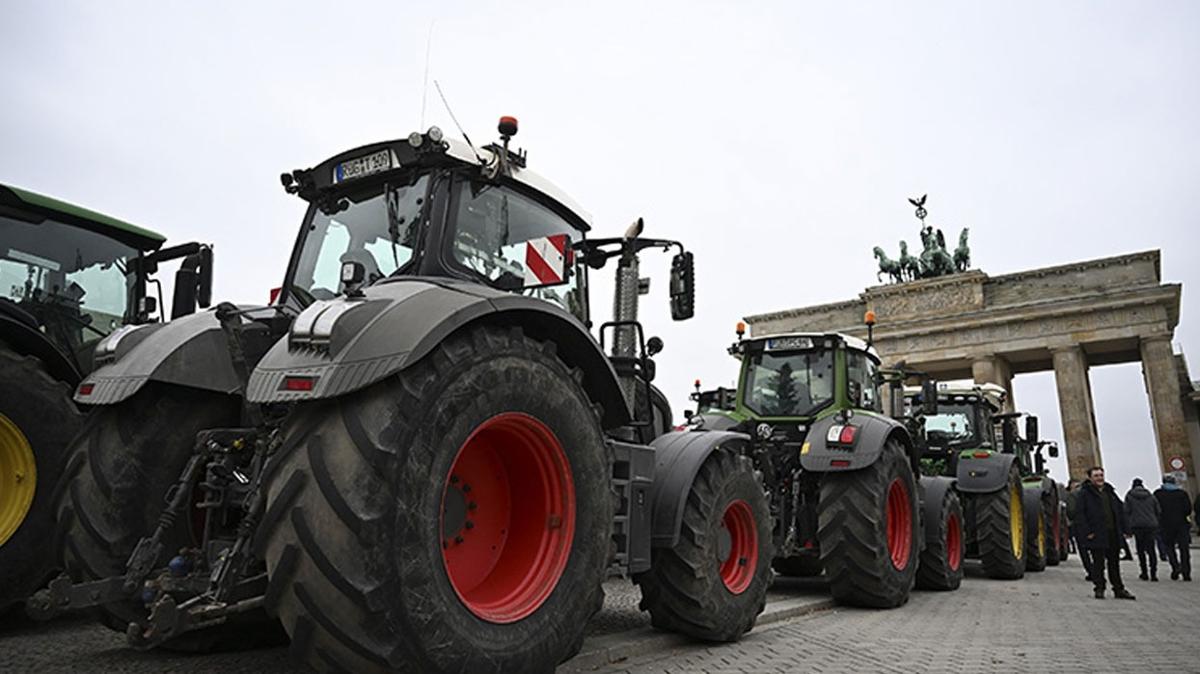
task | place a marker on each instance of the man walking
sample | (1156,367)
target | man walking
(1101,526)
(1143,511)
(1176,530)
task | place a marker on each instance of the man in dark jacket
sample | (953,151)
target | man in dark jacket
(1143,511)
(1176,531)
(1102,525)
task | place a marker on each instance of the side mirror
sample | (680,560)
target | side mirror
(649,369)
(654,345)
(205,280)
(187,281)
(683,287)
(688,414)
(929,395)
(1031,429)
(1052,450)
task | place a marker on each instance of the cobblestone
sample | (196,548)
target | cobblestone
(1048,621)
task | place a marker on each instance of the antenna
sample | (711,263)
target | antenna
(455,120)
(425,84)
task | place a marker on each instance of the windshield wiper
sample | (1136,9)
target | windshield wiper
(394,222)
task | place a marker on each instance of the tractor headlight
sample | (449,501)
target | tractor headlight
(415,139)
(435,134)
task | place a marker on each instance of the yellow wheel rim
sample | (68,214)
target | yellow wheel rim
(18,478)
(1016,521)
(1041,536)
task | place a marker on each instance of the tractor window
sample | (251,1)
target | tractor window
(71,280)
(517,244)
(789,384)
(954,424)
(861,385)
(376,228)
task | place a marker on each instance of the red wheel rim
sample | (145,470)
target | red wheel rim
(738,566)
(953,542)
(508,517)
(899,524)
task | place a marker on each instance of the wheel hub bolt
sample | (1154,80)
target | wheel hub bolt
(469,524)
(458,540)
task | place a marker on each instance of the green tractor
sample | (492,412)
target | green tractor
(843,477)
(69,277)
(420,457)
(1013,511)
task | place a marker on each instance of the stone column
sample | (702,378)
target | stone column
(1078,413)
(1166,403)
(992,369)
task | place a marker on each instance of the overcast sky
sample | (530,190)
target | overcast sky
(779,141)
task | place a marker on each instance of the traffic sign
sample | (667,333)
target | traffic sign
(1175,463)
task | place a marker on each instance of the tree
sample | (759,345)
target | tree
(785,391)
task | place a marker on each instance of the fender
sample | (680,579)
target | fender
(188,351)
(28,341)
(713,421)
(933,489)
(346,344)
(678,457)
(872,436)
(983,476)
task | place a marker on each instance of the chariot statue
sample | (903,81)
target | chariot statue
(934,260)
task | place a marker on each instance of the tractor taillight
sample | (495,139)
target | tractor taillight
(838,463)
(847,435)
(840,434)
(274,295)
(981,455)
(299,383)
(86,389)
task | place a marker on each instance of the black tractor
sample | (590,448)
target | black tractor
(69,277)
(419,457)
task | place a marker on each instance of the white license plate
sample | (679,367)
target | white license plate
(363,166)
(789,343)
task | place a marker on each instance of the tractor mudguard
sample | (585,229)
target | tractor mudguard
(933,489)
(710,421)
(678,458)
(984,475)
(189,351)
(342,345)
(30,341)
(872,435)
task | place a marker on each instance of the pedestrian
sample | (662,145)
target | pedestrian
(1143,511)
(1176,530)
(1102,525)
(1073,528)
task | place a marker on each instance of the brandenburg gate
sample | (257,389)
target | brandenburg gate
(1067,318)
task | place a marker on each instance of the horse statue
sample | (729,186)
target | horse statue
(962,254)
(887,266)
(910,266)
(935,261)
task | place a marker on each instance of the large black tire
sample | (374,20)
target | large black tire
(37,420)
(358,512)
(1001,551)
(941,565)
(868,562)
(1054,527)
(121,466)
(713,584)
(798,567)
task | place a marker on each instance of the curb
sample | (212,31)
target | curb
(613,648)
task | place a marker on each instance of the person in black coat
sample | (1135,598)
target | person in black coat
(1102,528)
(1143,511)
(1176,531)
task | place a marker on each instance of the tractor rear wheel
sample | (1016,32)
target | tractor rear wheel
(868,528)
(1038,544)
(121,466)
(1000,530)
(713,584)
(455,517)
(941,566)
(37,422)
(798,567)
(1054,527)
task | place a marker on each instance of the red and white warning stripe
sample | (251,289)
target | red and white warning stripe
(545,260)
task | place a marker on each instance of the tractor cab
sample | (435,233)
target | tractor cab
(432,206)
(966,423)
(70,277)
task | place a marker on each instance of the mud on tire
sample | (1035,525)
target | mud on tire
(853,529)
(1001,552)
(713,584)
(39,408)
(358,515)
(121,466)
(940,566)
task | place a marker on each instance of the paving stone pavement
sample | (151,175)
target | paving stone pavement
(1047,622)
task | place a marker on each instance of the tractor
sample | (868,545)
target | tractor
(847,496)
(1012,509)
(69,277)
(419,457)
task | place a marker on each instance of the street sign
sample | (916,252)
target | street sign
(1175,463)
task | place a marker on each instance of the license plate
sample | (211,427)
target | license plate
(363,166)
(789,343)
